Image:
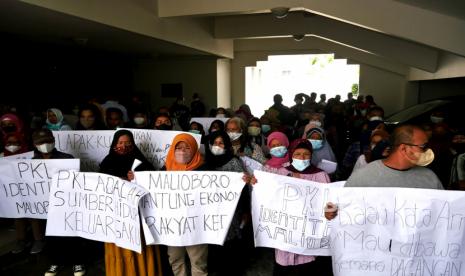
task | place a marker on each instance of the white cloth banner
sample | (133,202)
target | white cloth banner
(95,206)
(207,121)
(91,146)
(188,208)
(25,185)
(251,164)
(288,214)
(398,232)
(26,155)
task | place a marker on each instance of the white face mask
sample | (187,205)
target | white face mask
(46,147)
(234,135)
(182,157)
(12,148)
(220,116)
(139,120)
(217,150)
(424,158)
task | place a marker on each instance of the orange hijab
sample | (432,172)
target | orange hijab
(196,161)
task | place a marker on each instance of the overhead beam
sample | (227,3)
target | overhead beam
(386,16)
(265,25)
(315,45)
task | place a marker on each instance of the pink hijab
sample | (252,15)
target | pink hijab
(276,162)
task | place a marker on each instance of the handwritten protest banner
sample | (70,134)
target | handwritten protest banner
(92,146)
(188,208)
(251,164)
(26,155)
(25,185)
(398,232)
(288,214)
(207,121)
(95,206)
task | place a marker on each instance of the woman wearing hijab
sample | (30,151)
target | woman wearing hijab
(300,154)
(220,157)
(184,155)
(321,148)
(14,144)
(118,162)
(55,120)
(278,144)
(376,137)
(10,123)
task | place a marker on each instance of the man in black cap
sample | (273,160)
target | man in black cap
(44,146)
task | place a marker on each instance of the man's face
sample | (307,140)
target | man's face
(417,146)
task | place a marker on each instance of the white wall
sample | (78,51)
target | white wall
(223,80)
(196,76)
(389,89)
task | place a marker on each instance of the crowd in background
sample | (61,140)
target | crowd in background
(291,141)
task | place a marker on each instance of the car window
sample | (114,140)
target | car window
(414,111)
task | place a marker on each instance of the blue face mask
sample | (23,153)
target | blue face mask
(266,128)
(53,126)
(195,131)
(300,165)
(278,151)
(316,144)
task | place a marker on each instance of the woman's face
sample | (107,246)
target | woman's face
(233,127)
(254,124)
(12,141)
(183,153)
(275,143)
(219,142)
(52,117)
(124,145)
(302,154)
(315,136)
(87,118)
(215,127)
(8,126)
(195,127)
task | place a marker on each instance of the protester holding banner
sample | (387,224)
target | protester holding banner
(118,162)
(278,143)
(220,157)
(300,154)
(237,131)
(14,144)
(184,155)
(44,143)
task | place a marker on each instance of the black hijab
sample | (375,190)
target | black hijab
(301,144)
(215,161)
(119,164)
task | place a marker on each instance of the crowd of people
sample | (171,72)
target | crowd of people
(290,141)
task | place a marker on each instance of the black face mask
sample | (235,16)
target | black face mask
(9,129)
(164,127)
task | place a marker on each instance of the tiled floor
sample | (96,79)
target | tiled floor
(259,261)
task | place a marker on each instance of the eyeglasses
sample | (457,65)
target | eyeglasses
(422,147)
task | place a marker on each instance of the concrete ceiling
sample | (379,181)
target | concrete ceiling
(41,25)
(411,33)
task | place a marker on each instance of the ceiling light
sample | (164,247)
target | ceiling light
(298,37)
(280,12)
